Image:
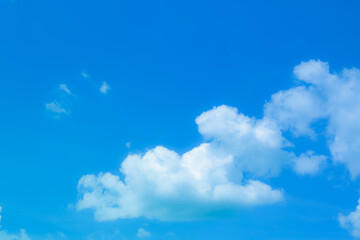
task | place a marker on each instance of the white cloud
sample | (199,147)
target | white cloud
(165,185)
(255,144)
(142,233)
(351,222)
(56,108)
(326,96)
(296,109)
(64,88)
(309,163)
(128,144)
(104,88)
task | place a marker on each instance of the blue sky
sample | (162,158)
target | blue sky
(89,87)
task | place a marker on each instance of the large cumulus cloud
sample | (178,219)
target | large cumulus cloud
(165,185)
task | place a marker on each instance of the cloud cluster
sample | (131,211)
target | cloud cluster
(323,96)
(223,173)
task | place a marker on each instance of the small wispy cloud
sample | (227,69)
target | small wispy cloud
(64,88)
(60,105)
(84,74)
(128,144)
(104,88)
(142,233)
(56,108)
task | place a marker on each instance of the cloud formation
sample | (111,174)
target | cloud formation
(164,185)
(222,174)
(323,96)
(256,144)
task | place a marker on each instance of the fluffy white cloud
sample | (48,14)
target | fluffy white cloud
(142,233)
(104,88)
(309,163)
(325,96)
(56,108)
(296,109)
(255,144)
(165,185)
(351,222)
